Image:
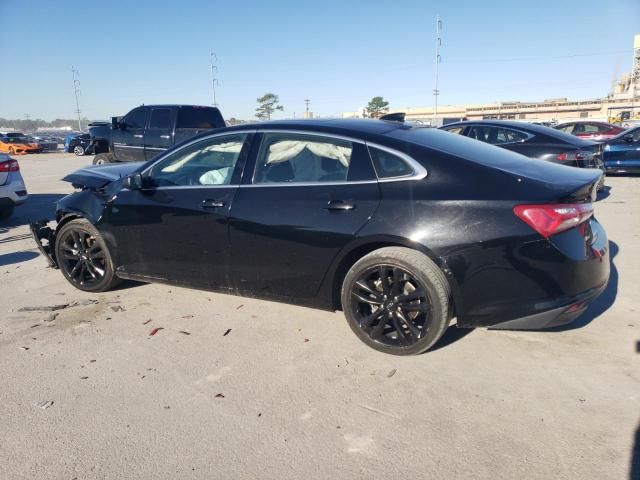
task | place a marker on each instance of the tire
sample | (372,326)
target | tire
(103,158)
(7,211)
(78,150)
(417,323)
(81,237)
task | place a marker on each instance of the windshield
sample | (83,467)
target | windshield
(17,139)
(635,132)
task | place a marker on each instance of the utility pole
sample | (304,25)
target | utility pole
(436,92)
(214,70)
(306,102)
(76,90)
(27,116)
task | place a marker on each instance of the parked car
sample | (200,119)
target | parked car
(12,189)
(621,154)
(402,228)
(148,130)
(596,131)
(78,144)
(535,141)
(46,142)
(15,143)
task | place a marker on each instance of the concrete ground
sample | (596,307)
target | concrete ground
(239,388)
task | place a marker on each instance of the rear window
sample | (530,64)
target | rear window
(388,165)
(199,117)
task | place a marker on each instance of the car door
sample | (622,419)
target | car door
(128,138)
(159,133)
(175,227)
(623,152)
(308,197)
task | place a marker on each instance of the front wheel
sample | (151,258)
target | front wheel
(103,158)
(78,150)
(396,300)
(83,257)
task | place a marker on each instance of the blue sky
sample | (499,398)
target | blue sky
(337,53)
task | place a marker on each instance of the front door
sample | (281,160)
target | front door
(159,134)
(308,198)
(128,139)
(175,228)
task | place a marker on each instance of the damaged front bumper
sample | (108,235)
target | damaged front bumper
(45,238)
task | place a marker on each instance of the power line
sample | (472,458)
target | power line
(306,103)
(436,92)
(214,81)
(77,92)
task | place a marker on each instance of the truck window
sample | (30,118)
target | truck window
(160,118)
(199,117)
(136,118)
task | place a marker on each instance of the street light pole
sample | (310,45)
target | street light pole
(436,92)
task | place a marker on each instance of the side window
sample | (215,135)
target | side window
(567,128)
(198,118)
(514,135)
(160,119)
(578,128)
(456,130)
(591,128)
(492,135)
(136,118)
(388,165)
(208,162)
(294,158)
(635,134)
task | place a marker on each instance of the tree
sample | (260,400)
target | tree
(267,104)
(377,107)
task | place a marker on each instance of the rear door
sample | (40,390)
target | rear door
(309,196)
(128,140)
(159,133)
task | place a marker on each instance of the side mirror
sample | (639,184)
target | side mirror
(628,138)
(133,181)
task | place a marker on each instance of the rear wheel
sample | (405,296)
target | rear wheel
(83,257)
(78,150)
(396,300)
(103,158)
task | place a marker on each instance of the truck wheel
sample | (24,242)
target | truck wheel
(78,150)
(103,158)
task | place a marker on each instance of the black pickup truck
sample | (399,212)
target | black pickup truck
(148,130)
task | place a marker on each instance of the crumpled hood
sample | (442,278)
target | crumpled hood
(97,176)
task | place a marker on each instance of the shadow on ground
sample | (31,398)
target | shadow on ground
(16,257)
(37,207)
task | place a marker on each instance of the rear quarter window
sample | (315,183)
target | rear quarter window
(388,165)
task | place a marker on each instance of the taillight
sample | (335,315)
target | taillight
(550,219)
(9,166)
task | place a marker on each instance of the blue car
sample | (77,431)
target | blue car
(621,154)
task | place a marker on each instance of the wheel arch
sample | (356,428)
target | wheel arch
(354,252)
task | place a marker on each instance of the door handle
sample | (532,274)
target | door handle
(212,204)
(166,137)
(339,206)
(137,136)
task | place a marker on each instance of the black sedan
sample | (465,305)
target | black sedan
(531,140)
(402,228)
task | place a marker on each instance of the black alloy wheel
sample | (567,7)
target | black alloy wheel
(83,257)
(396,300)
(391,305)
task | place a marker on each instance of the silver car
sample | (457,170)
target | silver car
(12,189)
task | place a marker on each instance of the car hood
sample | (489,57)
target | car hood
(100,175)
